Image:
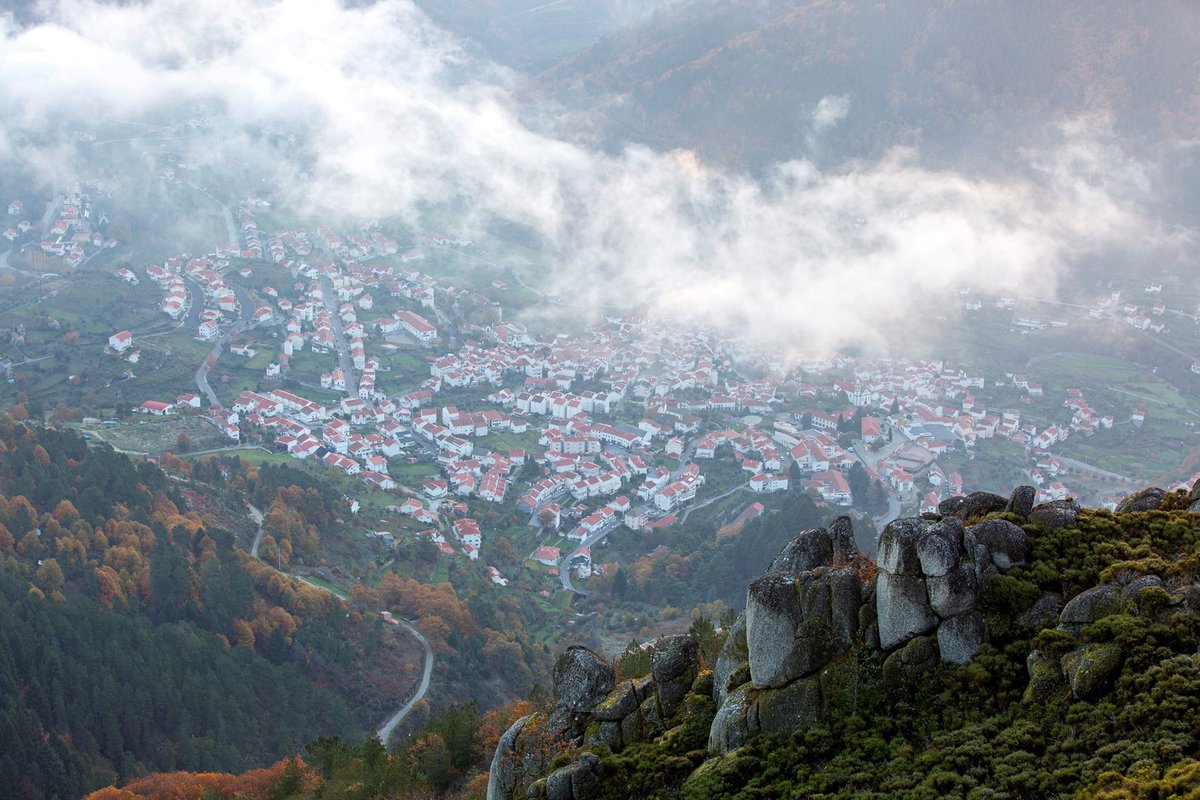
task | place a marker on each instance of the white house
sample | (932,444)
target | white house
(120,342)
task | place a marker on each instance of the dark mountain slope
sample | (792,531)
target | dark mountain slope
(741,82)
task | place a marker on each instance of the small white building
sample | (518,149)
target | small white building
(120,342)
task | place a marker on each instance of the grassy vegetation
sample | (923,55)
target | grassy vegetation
(308,366)
(1127,451)
(503,441)
(324,584)
(261,359)
(996,466)
(148,434)
(372,497)
(719,475)
(259,456)
(412,474)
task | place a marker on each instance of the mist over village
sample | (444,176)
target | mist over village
(578,400)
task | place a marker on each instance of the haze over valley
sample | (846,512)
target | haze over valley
(429,338)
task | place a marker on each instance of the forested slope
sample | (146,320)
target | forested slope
(744,82)
(135,638)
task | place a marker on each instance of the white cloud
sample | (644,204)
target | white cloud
(394,117)
(831,110)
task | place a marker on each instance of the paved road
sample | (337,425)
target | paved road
(685,457)
(871,459)
(564,563)
(385,730)
(195,307)
(257,516)
(1083,466)
(5,265)
(696,507)
(243,322)
(339,339)
(202,373)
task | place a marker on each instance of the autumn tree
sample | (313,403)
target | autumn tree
(50,576)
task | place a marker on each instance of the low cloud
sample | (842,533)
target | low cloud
(391,118)
(831,110)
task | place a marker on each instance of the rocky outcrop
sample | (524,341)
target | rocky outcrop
(804,612)
(815,617)
(811,548)
(591,710)
(1090,669)
(1006,542)
(940,547)
(1043,612)
(623,700)
(736,719)
(580,780)
(1085,669)
(841,533)
(797,623)
(1056,514)
(1021,501)
(733,664)
(958,638)
(907,664)
(898,547)
(1089,606)
(902,608)
(581,680)
(506,764)
(673,666)
(795,706)
(933,571)
(976,504)
(954,593)
(1149,499)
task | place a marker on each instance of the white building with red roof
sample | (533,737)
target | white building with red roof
(120,342)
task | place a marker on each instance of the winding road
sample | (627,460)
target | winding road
(385,731)
(339,338)
(687,512)
(389,726)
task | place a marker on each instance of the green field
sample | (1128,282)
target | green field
(1116,386)
(256,455)
(412,474)
(149,434)
(313,579)
(503,441)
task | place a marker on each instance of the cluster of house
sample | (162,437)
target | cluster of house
(465,530)
(606,471)
(759,454)
(584,459)
(77,230)
(16,208)
(1140,318)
